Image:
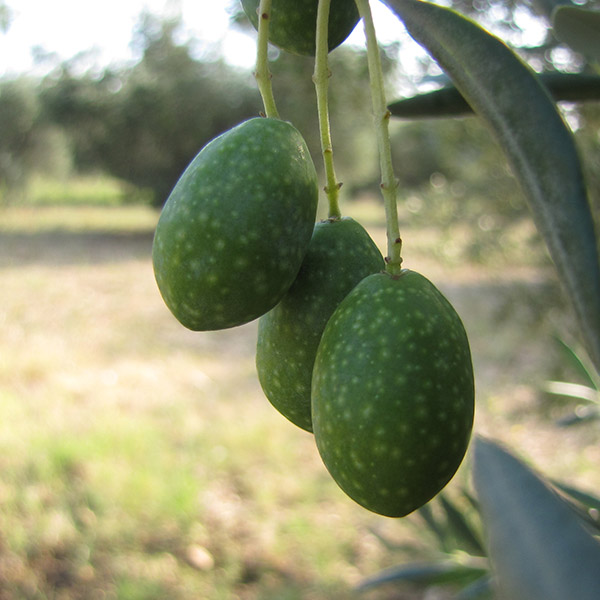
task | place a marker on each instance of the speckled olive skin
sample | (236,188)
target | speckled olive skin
(340,254)
(232,235)
(393,393)
(293,23)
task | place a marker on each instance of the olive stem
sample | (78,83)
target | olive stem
(381,116)
(262,73)
(320,78)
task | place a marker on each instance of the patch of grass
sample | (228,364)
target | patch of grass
(127,442)
(79,219)
(134,589)
(141,460)
(79,190)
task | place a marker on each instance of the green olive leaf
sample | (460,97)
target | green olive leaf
(441,572)
(508,96)
(538,545)
(545,7)
(449,102)
(579,28)
(463,530)
(446,101)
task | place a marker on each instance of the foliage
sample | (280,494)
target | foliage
(5,17)
(25,138)
(82,190)
(454,526)
(18,116)
(448,101)
(451,155)
(144,125)
(126,107)
(587,393)
(426,117)
(519,111)
(537,544)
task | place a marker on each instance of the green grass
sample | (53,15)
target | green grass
(82,190)
(129,446)
(127,441)
(82,219)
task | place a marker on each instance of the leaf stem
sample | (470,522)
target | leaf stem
(381,116)
(262,73)
(321,80)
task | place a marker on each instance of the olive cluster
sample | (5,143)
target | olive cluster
(375,363)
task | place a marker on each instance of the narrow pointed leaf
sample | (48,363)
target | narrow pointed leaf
(580,363)
(586,505)
(443,102)
(537,544)
(572,390)
(579,28)
(449,102)
(427,573)
(438,529)
(481,589)
(508,96)
(464,532)
(585,498)
(472,500)
(586,514)
(391,545)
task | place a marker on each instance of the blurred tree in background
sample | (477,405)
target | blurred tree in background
(28,142)
(143,123)
(19,110)
(350,111)
(5,17)
(449,171)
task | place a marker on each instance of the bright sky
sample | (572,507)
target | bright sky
(67,27)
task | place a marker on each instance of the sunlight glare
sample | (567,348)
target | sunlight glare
(102,31)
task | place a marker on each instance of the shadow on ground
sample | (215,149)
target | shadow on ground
(63,247)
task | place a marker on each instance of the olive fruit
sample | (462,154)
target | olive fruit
(292,24)
(232,235)
(393,393)
(340,254)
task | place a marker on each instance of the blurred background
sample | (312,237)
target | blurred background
(139,460)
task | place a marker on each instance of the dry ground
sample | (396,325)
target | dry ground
(140,460)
